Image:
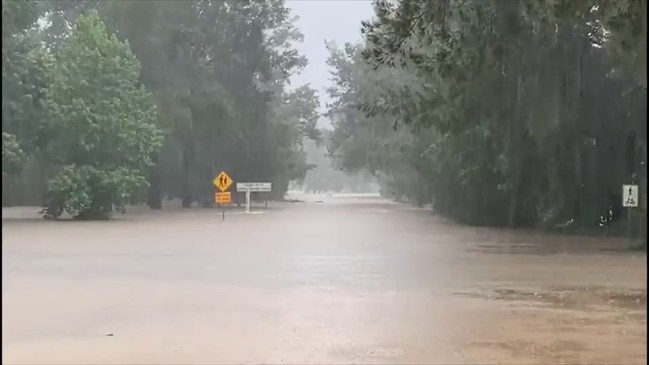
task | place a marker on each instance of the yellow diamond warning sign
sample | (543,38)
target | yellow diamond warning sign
(222,181)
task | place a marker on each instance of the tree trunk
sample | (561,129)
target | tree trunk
(581,48)
(188,160)
(155,191)
(187,193)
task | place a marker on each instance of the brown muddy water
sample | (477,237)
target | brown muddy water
(352,279)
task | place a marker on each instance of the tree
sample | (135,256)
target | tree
(222,92)
(496,107)
(101,123)
(218,73)
(22,77)
(12,155)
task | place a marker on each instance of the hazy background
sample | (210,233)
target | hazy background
(330,20)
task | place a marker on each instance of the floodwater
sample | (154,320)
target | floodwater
(332,279)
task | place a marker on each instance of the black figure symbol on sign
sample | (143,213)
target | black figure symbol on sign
(223,181)
(629,198)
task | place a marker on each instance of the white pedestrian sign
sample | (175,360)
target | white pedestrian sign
(629,196)
(253,187)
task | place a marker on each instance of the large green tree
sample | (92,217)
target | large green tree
(101,123)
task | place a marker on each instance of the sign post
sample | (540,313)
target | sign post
(629,201)
(247,200)
(222,182)
(253,187)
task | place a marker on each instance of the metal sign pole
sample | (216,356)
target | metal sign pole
(628,227)
(248,200)
(629,201)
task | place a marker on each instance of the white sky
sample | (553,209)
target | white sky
(331,20)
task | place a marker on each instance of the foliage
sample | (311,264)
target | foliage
(22,82)
(514,111)
(223,93)
(218,73)
(17,16)
(12,156)
(100,120)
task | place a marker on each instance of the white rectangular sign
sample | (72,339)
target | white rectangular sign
(254,187)
(629,196)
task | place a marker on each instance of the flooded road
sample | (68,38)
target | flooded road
(333,279)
